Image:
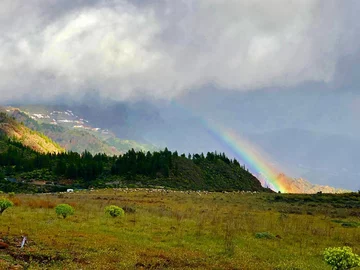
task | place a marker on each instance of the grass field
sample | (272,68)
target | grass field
(178,230)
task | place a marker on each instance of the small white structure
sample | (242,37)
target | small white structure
(69,190)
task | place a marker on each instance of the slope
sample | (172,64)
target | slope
(30,138)
(76,140)
(214,172)
(214,175)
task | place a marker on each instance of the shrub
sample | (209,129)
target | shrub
(114,211)
(5,204)
(350,224)
(64,210)
(264,235)
(341,258)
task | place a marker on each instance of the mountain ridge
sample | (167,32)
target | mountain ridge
(72,132)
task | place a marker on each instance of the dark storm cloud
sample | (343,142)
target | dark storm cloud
(162,49)
(348,65)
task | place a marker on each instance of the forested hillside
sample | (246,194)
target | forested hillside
(27,168)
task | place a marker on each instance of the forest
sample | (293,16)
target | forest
(213,171)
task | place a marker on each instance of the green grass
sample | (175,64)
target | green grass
(174,230)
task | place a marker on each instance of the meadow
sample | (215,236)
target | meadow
(165,229)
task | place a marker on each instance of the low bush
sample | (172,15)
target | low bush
(350,224)
(341,258)
(64,210)
(5,204)
(114,211)
(264,235)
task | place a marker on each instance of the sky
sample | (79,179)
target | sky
(266,69)
(130,50)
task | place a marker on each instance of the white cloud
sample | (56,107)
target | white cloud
(128,50)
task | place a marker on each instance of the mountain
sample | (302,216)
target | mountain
(320,157)
(73,132)
(29,138)
(196,173)
(129,121)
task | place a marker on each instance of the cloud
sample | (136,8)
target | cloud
(136,49)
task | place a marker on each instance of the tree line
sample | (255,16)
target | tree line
(212,171)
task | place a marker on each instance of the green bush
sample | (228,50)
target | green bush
(264,235)
(350,224)
(64,210)
(341,258)
(5,204)
(114,211)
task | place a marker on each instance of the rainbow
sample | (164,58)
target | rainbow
(252,157)
(257,161)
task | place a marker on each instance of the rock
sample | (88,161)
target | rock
(3,245)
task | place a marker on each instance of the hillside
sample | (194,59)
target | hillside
(215,172)
(72,132)
(29,138)
(195,174)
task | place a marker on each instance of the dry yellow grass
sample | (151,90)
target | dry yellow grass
(172,230)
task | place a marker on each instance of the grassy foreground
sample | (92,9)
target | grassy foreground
(178,230)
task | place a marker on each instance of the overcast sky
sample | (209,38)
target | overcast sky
(292,67)
(130,50)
